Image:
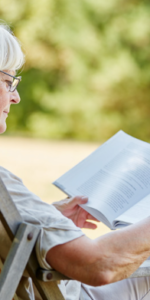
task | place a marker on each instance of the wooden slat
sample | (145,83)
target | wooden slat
(141,272)
(50,275)
(9,214)
(47,290)
(11,219)
(50,291)
(17,259)
(22,291)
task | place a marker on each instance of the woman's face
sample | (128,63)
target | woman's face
(6,98)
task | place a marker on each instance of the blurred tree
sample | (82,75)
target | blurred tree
(87,67)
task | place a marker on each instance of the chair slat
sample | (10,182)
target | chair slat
(16,260)
(47,290)
(9,214)
(11,220)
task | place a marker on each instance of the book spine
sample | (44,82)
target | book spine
(62,188)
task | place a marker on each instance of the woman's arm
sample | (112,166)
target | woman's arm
(109,258)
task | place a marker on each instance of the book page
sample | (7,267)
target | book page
(136,213)
(114,177)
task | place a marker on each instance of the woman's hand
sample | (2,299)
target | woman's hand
(70,208)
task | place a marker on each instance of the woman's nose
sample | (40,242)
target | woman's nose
(15,98)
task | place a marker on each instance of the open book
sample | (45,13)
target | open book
(115,178)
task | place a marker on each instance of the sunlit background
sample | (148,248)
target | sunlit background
(87,75)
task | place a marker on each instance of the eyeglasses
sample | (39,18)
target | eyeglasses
(13,85)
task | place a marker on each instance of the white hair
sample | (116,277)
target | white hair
(11,55)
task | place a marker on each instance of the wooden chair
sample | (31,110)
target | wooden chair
(22,255)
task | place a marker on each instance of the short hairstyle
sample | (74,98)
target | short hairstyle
(11,55)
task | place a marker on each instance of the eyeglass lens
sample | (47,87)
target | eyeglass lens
(14,84)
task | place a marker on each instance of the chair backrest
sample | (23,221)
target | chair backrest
(22,254)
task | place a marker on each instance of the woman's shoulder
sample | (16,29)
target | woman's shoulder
(6,174)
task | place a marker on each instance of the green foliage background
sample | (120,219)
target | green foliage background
(87,72)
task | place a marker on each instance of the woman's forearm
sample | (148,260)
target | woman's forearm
(109,258)
(124,250)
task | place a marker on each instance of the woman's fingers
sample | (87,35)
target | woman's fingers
(90,217)
(90,225)
(77,200)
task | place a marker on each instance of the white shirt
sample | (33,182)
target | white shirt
(55,228)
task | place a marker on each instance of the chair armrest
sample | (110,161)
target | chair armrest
(50,275)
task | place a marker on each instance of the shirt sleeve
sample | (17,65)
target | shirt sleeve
(55,229)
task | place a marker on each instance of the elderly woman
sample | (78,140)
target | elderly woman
(99,266)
